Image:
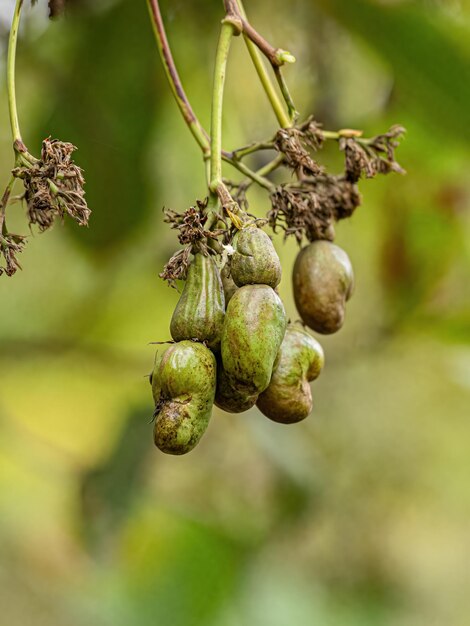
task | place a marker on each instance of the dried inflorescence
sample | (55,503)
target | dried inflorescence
(370,157)
(311,207)
(193,235)
(54,186)
(306,207)
(10,246)
(291,142)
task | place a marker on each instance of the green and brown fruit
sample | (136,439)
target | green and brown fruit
(227,282)
(254,327)
(288,398)
(200,311)
(255,261)
(183,387)
(229,399)
(323,281)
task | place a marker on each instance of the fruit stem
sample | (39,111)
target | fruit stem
(240,153)
(264,171)
(256,177)
(227,31)
(268,86)
(196,128)
(174,80)
(293,113)
(11,86)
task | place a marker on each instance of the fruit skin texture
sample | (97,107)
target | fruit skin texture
(229,399)
(228,284)
(288,399)
(255,261)
(183,387)
(254,327)
(323,281)
(200,311)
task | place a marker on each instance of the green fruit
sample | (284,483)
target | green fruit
(183,387)
(323,281)
(200,311)
(229,399)
(288,399)
(227,283)
(254,327)
(255,261)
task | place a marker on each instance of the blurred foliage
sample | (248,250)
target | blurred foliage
(358,516)
(103,99)
(430,65)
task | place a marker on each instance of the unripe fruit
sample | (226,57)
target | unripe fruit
(288,399)
(200,311)
(255,261)
(227,283)
(229,399)
(323,281)
(254,327)
(183,387)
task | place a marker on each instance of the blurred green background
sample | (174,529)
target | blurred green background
(358,516)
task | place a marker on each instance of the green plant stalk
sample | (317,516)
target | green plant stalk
(271,166)
(268,86)
(276,105)
(227,31)
(172,75)
(11,63)
(256,177)
(182,101)
(293,113)
(264,171)
(239,153)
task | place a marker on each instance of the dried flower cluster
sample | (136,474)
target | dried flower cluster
(54,186)
(193,235)
(370,157)
(311,206)
(293,143)
(10,246)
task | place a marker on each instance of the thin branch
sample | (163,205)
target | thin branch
(174,80)
(263,171)
(11,83)
(276,56)
(293,113)
(240,153)
(256,177)
(268,86)
(227,31)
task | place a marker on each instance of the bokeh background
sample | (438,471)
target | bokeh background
(358,516)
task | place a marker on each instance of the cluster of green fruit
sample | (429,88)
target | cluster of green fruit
(233,344)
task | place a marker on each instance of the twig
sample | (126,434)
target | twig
(174,80)
(268,86)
